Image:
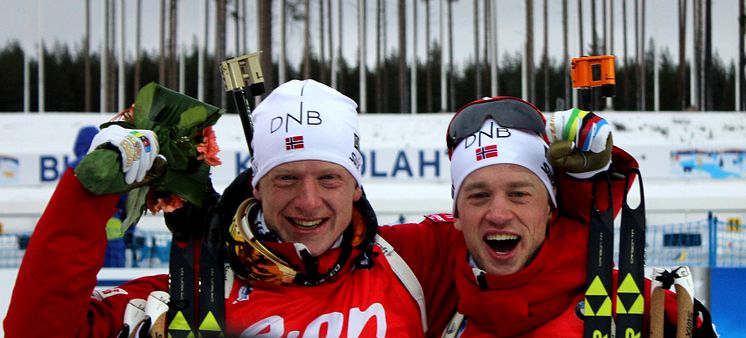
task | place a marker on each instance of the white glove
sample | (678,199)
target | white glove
(138,149)
(586,130)
(155,314)
(581,142)
(134,314)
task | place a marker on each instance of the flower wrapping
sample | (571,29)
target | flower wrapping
(183,127)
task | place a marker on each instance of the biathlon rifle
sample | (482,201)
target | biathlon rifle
(243,78)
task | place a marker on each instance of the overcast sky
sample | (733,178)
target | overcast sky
(64,21)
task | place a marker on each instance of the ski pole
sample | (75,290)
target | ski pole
(684,286)
(657,301)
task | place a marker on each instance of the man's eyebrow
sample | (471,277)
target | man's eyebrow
(512,184)
(475,185)
(521,184)
(283,173)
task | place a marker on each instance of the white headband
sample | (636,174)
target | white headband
(305,120)
(494,144)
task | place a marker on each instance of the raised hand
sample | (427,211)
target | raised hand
(138,149)
(581,142)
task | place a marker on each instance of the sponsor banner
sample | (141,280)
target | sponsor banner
(9,170)
(709,163)
(429,165)
(411,165)
(32,169)
(378,164)
(402,147)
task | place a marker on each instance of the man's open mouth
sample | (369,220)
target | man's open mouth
(502,243)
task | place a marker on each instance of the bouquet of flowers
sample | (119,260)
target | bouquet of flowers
(183,126)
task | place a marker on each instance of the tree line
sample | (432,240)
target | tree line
(64,84)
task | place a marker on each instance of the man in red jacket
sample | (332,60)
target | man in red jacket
(522,272)
(302,242)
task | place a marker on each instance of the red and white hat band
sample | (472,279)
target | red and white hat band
(494,144)
(305,120)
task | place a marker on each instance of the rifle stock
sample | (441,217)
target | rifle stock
(242,76)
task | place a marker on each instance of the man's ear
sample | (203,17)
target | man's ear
(358,193)
(457,224)
(257,193)
(552,215)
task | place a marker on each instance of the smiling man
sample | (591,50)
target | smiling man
(308,231)
(503,210)
(504,215)
(308,202)
(522,271)
(300,238)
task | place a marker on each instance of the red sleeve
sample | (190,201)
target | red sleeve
(52,294)
(104,316)
(574,195)
(427,249)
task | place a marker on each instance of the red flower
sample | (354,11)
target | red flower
(208,150)
(165,204)
(128,115)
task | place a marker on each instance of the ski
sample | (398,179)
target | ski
(181,289)
(630,301)
(597,302)
(211,321)
(243,78)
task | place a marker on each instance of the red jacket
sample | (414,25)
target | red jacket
(427,249)
(441,242)
(543,299)
(351,305)
(52,296)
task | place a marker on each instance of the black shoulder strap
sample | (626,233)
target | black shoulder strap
(706,330)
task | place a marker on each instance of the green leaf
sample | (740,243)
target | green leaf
(134,207)
(158,104)
(189,185)
(178,154)
(101,172)
(193,118)
(143,104)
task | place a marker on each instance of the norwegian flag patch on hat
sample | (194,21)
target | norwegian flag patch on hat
(486,152)
(295,142)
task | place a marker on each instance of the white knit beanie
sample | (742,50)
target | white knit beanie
(305,120)
(494,144)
